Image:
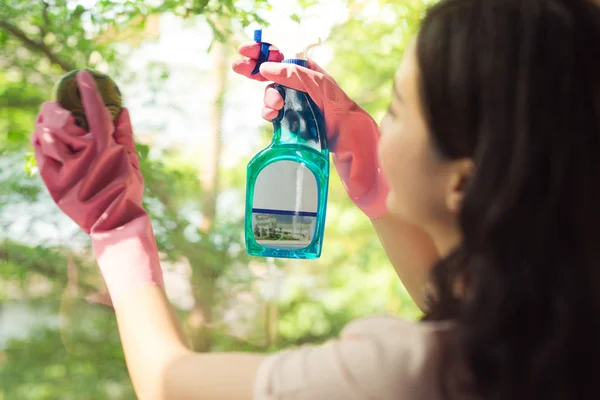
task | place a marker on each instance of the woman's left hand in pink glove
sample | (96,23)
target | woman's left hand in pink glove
(94,178)
(352,134)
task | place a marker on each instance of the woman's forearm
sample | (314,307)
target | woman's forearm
(152,339)
(410,250)
(162,366)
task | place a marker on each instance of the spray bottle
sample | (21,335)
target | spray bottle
(288,181)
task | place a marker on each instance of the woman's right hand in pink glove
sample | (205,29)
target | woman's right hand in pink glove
(352,134)
(94,178)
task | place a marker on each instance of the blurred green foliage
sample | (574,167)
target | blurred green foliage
(74,352)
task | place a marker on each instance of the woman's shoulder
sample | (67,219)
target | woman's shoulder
(383,326)
(377,357)
(411,339)
(408,352)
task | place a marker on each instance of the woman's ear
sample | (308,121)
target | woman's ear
(460,175)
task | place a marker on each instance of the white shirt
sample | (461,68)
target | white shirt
(375,358)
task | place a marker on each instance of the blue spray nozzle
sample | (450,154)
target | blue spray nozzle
(296,45)
(265,49)
(258,35)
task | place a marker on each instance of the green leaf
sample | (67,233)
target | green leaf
(30,164)
(295,18)
(142,150)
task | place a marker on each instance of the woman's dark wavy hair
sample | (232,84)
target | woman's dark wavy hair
(515,85)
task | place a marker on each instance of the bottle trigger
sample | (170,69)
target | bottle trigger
(265,49)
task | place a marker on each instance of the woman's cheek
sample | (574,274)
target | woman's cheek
(391,165)
(383,147)
(391,155)
(383,155)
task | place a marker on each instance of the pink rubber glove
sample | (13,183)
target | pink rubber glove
(352,134)
(94,178)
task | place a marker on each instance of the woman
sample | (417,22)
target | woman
(491,150)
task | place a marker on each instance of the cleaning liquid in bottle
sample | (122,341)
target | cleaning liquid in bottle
(287,182)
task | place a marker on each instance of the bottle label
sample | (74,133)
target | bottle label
(285,204)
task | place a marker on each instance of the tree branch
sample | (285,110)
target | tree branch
(44,29)
(37,46)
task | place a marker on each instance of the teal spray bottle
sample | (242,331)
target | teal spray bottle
(288,181)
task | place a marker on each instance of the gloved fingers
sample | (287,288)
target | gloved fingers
(52,115)
(123,131)
(246,66)
(56,134)
(273,98)
(48,167)
(60,164)
(315,67)
(61,149)
(252,50)
(296,77)
(124,136)
(273,103)
(52,147)
(59,168)
(269,114)
(98,116)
